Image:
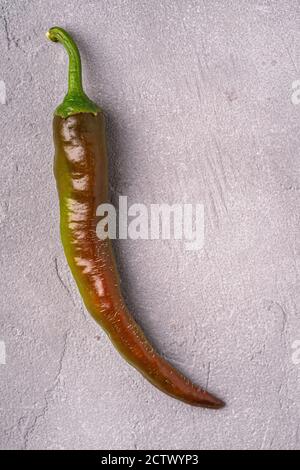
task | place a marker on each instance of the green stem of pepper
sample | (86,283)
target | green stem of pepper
(75,101)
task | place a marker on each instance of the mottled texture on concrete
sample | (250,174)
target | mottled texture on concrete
(198,102)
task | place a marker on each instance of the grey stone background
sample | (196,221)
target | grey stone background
(198,102)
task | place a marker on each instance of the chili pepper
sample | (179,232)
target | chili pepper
(80,168)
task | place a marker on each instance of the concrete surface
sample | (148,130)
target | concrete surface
(198,97)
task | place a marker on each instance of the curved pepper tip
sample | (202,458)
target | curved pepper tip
(207,400)
(216,403)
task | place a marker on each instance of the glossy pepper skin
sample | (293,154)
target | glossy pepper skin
(80,169)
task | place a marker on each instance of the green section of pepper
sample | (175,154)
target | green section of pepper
(75,101)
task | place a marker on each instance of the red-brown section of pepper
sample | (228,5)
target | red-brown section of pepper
(82,181)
